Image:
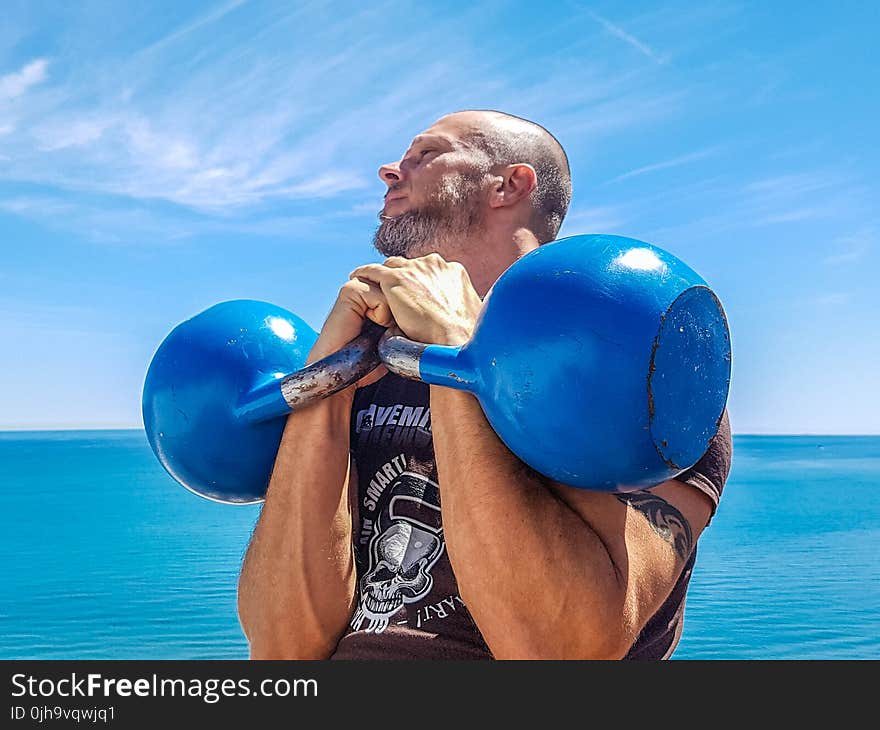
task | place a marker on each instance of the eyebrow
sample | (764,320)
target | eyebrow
(422,138)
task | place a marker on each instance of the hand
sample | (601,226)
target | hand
(357,301)
(431,300)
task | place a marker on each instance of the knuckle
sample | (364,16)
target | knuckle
(353,287)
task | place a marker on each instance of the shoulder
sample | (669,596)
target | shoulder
(671,514)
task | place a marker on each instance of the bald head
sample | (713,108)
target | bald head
(506,139)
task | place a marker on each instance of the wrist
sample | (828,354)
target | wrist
(332,413)
(336,405)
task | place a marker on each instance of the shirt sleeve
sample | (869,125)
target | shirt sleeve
(710,473)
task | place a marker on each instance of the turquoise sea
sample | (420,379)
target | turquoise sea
(105,557)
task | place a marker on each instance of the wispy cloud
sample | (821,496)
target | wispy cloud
(15,84)
(821,196)
(597,219)
(211,16)
(793,184)
(665,165)
(108,223)
(329,184)
(795,197)
(834,299)
(796,215)
(628,38)
(851,249)
(98,223)
(76,133)
(286,105)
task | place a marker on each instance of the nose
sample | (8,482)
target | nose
(390,173)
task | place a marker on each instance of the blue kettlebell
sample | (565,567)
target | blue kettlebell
(602,362)
(220,384)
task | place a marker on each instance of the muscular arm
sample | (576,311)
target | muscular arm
(297,584)
(548,571)
(296,589)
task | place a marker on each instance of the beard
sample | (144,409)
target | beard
(452,213)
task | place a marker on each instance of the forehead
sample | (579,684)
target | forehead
(456,129)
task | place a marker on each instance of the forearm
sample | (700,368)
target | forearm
(297,581)
(521,556)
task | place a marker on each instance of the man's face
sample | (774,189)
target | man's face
(435,193)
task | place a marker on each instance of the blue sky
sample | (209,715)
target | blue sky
(156,158)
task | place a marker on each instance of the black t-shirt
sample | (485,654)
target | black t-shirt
(408,601)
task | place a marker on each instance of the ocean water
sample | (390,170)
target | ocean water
(106,557)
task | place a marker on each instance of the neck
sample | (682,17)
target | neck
(487,257)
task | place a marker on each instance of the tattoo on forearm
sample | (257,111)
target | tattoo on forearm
(667,521)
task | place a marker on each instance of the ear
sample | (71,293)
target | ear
(512,184)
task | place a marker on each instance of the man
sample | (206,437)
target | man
(350,557)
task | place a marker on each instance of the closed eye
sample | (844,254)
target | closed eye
(415,158)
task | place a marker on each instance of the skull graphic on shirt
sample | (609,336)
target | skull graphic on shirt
(407,541)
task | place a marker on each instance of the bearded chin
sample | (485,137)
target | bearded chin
(409,234)
(444,224)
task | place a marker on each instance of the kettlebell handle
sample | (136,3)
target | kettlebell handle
(433,364)
(319,380)
(374,346)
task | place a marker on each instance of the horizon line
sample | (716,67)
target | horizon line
(66,429)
